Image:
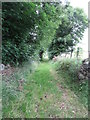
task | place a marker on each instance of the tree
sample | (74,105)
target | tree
(69,32)
(19,20)
(26,28)
(41,54)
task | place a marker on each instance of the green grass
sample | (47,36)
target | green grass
(80,89)
(44,96)
(68,69)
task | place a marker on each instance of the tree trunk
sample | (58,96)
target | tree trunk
(41,54)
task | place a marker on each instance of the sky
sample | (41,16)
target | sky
(84,5)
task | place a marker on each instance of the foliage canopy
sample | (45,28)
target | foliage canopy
(28,27)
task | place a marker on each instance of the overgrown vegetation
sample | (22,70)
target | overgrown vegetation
(71,66)
(30,27)
(68,69)
(25,25)
(11,90)
(43,96)
(70,31)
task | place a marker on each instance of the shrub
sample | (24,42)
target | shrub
(70,66)
(68,69)
(18,21)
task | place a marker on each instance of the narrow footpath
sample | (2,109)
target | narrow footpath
(46,97)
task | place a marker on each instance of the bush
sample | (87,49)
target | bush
(18,21)
(68,69)
(70,66)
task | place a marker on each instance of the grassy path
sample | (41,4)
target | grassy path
(45,96)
